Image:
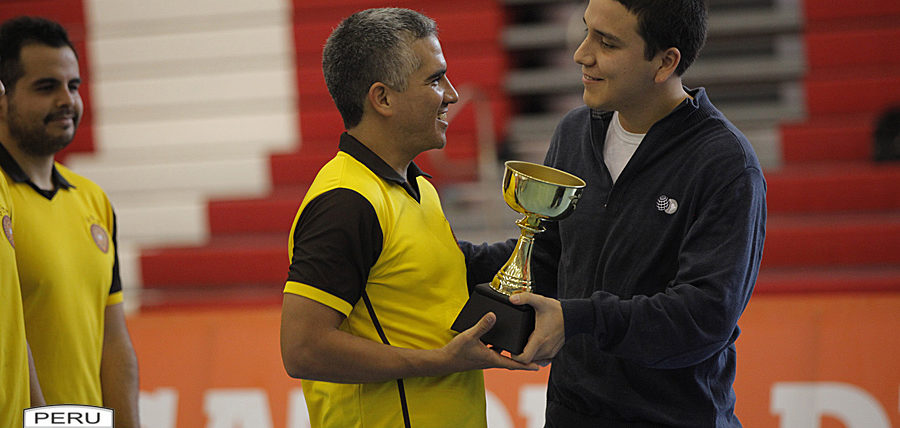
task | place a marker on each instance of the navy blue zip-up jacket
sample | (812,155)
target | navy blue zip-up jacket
(652,272)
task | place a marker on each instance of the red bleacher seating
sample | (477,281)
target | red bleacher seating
(838,14)
(248,246)
(833,188)
(835,223)
(846,139)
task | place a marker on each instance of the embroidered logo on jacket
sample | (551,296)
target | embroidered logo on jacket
(8,231)
(666,204)
(100,237)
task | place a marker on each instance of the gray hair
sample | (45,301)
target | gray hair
(372,45)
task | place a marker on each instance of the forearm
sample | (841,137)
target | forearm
(119,370)
(677,328)
(313,347)
(338,356)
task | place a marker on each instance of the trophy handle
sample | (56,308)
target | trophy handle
(515,276)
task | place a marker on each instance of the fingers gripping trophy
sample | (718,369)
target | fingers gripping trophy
(540,193)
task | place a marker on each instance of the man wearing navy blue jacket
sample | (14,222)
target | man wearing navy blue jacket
(638,293)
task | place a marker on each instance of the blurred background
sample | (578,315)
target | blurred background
(205,120)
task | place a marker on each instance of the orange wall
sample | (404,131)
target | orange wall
(841,349)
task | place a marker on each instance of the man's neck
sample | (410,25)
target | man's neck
(39,169)
(639,120)
(386,148)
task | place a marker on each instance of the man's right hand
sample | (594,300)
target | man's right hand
(467,352)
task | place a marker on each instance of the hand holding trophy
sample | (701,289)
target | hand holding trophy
(541,193)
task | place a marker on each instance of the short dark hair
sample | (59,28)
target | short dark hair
(373,45)
(671,23)
(22,31)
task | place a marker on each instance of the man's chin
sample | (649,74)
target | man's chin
(46,148)
(593,102)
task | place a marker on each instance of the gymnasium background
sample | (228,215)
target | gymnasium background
(206,119)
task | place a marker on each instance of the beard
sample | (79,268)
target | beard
(33,137)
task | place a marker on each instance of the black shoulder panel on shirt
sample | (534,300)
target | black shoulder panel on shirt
(337,240)
(116,284)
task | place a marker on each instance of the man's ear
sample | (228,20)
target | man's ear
(668,62)
(379,98)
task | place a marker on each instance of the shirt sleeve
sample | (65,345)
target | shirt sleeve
(337,240)
(115,288)
(484,260)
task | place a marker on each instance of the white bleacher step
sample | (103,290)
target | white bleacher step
(197,110)
(534,36)
(529,151)
(263,131)
(534,127)
(226,177)
(206,23)
(742,70)
(753,114)
(216,89)
(223,45)
(783,18)
(159,217)
(106,11)
(191,67)
(178,153)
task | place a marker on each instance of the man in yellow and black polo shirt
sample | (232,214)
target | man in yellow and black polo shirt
(376,276)
(65,229)
(18,381)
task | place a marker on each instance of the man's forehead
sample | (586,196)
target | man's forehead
(431,57)
(611,18)
(39,59)
(41,54)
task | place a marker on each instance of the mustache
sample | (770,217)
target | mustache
(61,114)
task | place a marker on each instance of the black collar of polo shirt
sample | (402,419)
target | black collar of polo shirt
(15,172)
(353,147)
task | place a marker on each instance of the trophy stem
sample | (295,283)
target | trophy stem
(515,276)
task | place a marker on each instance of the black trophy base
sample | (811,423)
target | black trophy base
(514,322)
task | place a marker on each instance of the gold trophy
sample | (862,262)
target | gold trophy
(541,193)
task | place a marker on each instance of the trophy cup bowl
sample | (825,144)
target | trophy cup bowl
(540,193)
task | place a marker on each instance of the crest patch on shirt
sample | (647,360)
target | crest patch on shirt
(8,230)
(101,238)
(666,204)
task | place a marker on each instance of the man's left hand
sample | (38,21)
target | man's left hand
(549,330)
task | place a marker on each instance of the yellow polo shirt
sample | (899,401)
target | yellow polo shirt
(14,388)
(415,278)
(68,269)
